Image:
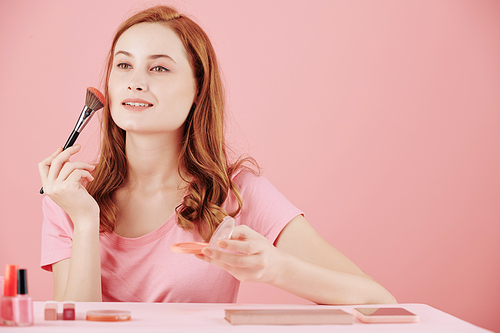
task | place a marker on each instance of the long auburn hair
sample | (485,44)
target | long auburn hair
(203,151)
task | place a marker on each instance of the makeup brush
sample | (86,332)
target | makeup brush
(94,101)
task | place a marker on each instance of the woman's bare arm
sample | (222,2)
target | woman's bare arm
(77,278)
(301,263)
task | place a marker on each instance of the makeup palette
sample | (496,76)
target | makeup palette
(223,231)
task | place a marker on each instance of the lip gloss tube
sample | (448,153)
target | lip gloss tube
(9,293)
(22,305)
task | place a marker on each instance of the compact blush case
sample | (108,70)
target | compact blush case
(223,231)
(108,315)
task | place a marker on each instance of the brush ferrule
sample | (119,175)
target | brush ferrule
(84,119)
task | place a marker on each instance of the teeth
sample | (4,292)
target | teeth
(138,104)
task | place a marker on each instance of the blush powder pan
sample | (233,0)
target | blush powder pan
(223,231)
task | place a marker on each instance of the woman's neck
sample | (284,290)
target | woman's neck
(153,162)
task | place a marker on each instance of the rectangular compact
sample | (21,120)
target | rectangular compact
(289,317)
(385,315)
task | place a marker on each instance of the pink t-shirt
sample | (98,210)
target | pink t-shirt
(144,269)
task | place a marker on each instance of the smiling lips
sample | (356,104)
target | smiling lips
(136,104)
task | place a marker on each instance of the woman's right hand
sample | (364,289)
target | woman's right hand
(64,182)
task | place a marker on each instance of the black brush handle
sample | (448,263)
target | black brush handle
(70,142)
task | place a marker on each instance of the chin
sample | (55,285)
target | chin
(142,127)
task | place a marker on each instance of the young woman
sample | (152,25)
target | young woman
(164,177)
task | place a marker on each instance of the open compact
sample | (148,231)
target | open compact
(223,231)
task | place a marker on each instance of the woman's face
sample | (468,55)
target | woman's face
(151,85)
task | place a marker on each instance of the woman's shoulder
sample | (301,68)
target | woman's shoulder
(253,184)
(246,177)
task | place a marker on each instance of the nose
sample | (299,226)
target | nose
(137,83)
(137,87)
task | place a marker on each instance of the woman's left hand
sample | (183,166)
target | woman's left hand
(252,258)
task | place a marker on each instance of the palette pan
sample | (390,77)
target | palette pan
(223,231)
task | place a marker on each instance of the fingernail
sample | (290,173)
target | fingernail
(206,252)
(222,244)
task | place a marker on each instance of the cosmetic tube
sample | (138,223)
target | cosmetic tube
(22,304)
(9,293)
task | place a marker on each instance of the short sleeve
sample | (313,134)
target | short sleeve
(57,234)
(265,209)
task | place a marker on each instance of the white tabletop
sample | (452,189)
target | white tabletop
(194,317)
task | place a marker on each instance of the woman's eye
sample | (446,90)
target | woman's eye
(159,69)
(123,65)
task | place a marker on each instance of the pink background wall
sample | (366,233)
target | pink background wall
(380,119)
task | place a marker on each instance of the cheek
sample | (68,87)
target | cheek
(111,85)
(188,93)
(193,88)
(114,110)
(112,92)
(113,102)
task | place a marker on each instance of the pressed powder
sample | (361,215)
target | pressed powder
(223,231)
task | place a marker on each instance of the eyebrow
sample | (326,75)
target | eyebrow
(153,56)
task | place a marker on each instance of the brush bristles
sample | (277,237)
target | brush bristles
(95,99)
